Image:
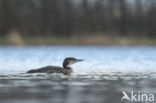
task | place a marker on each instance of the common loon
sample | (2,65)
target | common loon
(66,69)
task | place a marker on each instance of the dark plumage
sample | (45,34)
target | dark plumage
(66,69)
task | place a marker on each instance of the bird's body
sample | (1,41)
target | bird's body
(51,69)
(66,69)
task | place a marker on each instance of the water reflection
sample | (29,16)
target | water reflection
(106,88)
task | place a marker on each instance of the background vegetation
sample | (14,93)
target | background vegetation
(77,22)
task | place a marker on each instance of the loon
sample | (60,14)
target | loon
(66,69)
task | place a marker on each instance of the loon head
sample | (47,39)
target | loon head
(69,61)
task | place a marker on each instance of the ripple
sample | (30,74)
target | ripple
(106,72)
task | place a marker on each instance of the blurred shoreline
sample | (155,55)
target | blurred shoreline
(76,40)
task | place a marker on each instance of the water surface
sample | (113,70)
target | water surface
(101,78)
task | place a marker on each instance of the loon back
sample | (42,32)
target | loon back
(51,69)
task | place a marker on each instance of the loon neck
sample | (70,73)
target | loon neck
(66,66)
(69,69)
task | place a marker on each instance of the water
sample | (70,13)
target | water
(106,72)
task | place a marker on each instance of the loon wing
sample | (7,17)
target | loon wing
(46,69)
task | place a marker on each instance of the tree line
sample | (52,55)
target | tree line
(78,17)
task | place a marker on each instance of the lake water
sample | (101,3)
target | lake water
(106,72)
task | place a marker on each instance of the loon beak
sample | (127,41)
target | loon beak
(79,60)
